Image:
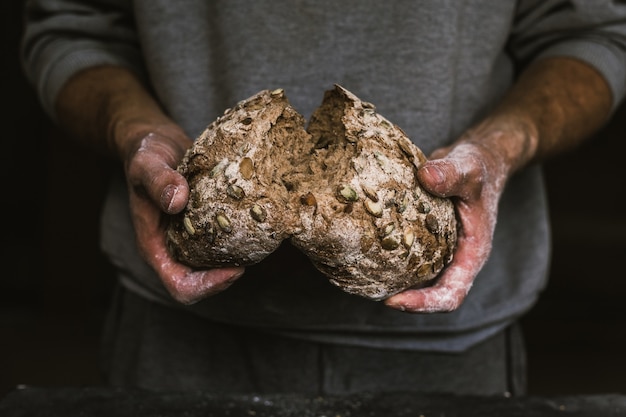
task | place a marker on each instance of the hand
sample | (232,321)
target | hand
(473,174)
(156,189)
(109,109)
(554,105)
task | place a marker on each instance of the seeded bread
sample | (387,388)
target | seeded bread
(239,208)
(344,191)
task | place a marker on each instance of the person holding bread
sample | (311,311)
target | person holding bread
(356,126)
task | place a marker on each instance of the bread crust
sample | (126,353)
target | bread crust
(344,191)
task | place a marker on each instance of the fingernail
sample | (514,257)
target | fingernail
(435,173)
(396,305)
(230,281)
(393,302)
(235,277)
(167,196)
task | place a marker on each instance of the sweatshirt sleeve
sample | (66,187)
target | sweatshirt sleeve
(592,31)
(63,37)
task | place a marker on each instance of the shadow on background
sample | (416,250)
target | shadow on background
(55,284)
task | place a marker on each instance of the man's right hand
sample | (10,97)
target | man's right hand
(108,109)
(157,190)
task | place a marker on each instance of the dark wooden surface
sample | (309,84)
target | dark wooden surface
(98,402)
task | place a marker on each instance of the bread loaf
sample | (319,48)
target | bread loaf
(342,189)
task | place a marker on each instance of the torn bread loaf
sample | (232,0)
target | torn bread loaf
(344,191)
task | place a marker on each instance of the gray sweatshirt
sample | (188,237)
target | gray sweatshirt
(433,67)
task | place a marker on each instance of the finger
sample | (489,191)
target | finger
(188,286)
(446,295)
(443,177)
(184,284)
(163,184)
(458,173)
(452,286)
(435,177)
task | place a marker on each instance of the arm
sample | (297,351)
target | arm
(84,60)
(574,57)
(108,109)
(555,104)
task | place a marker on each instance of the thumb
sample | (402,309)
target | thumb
(439,177)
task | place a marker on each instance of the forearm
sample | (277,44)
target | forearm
(554,106)
(556,103)
(107,108)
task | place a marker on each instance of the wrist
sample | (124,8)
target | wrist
(126,134)
(110,110)
(556,104)
(508,141)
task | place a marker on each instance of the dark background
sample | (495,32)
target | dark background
(55,284)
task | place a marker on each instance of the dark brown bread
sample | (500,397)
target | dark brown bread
(344,191)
